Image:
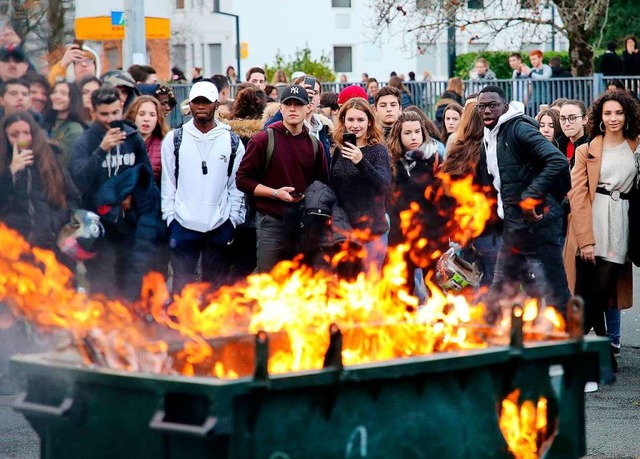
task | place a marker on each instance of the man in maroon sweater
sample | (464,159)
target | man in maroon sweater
(277,189)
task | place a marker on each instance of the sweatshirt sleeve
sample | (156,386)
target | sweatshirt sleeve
(236,197)
(252,163)
(86,165)
(168,185)
(376,168)
(545,75)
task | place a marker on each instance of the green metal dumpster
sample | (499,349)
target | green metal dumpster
(441,405)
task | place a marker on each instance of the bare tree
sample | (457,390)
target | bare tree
(427,20)
(43,25)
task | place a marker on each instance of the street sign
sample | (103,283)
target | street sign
(117,19)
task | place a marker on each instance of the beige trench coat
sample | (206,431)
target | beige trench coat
(584,181)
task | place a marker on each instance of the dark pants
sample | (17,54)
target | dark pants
(596,284)
(277,240)
(487,248)
(120,263)
(243,252)
(187,246)
(537,266)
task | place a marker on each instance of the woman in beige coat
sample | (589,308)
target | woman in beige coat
(604,175)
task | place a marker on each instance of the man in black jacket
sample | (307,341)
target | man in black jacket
(111,169)
(531,177)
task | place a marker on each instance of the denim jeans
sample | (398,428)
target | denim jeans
(538,267)
(376,251)
(613,317)
(275,241)
(187,246)
(487,248)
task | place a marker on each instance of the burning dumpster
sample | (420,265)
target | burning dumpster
(298,364)
(489,403)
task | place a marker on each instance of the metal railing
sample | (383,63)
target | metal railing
(426,94)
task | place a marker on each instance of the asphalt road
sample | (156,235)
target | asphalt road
(612,413)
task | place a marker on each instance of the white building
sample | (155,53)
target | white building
(340,29)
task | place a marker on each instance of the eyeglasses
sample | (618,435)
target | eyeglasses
(491,106)
(571,118)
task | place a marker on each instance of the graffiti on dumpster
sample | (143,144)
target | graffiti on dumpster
(358,432)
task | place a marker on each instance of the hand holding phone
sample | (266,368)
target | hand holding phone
(311,82)
(295,194)
(119,124)
(348,137)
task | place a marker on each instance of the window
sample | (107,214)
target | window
(179,4)
(341,3)
(215,57)
(475,4)
(179,56)
(342,59)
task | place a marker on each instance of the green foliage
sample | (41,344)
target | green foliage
(621,22)
(302,61)
(499,62)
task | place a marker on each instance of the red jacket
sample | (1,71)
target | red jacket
(154,145)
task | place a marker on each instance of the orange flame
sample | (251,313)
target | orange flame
(200,332)
(530,203)
(524,426)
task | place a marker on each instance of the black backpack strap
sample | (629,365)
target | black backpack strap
(177,140)
(271,146)
(314,141)
(235,141)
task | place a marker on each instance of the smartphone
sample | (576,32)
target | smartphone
(310,81)
(80,43)
(295,194)
(349,137)
(117,124)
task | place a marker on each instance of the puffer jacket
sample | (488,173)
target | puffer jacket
(531,167)
(321,204)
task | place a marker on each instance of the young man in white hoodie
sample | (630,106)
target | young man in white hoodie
(532,177)
(200,201)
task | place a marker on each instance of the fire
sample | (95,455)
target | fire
(202,332)
(524,425)
(530,203)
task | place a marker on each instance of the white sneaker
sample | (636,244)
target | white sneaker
(590,387)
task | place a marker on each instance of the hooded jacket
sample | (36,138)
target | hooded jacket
(91,166)
(526,165)
(198,201)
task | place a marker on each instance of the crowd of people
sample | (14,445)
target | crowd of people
(284,169)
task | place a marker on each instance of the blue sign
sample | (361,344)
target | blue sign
(117,18)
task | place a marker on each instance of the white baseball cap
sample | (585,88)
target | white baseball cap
(297,74)
(204,89)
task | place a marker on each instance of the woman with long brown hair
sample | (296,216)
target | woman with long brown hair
(36,191)
(147,115)
(466,157)
(603,200)
(360,175)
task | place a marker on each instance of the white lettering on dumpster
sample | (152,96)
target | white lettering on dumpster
(360,431)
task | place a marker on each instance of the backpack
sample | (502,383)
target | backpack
(177,141)
(271,146)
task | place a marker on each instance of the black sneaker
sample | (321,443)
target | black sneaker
(616,350)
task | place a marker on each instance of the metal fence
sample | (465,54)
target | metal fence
(426,94)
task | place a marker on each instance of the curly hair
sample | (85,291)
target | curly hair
(631,128)
(374,132)
(394,141)
(45,161)
(464,154)
(249,104)
(162,127)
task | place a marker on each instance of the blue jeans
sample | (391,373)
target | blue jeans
(487,248)
(538,267)
(376,251)
(187,246)
(612,317)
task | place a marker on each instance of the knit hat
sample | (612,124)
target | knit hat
(350,92)
(119,78)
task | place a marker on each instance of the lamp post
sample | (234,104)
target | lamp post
(216,9)
(450,7)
